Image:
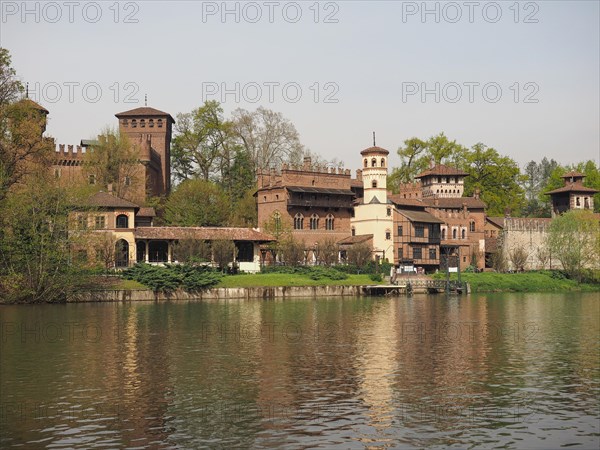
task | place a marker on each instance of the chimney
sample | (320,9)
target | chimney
(359,174)
(307,163)
(431,163)
(476,193)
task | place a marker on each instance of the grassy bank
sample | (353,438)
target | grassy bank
(287,279)
(543,281)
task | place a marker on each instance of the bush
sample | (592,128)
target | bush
(191,278)
(313,272)
(376,277)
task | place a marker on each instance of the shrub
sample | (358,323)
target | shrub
(376,277)
(167,278)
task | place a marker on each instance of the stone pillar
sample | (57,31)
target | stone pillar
(169,251)
(147,254)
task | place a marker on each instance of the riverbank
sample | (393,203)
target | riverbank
(542,281)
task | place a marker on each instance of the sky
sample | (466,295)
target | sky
(521,77)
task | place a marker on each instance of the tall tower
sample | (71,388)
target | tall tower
(374,174)
(151,130)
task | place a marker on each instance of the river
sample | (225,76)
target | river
(479,371)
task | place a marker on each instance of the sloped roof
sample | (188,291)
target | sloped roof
(471,202)
(377,150)
(144,111)
(314,190)
(203,233)
(498,221)
(420,216)
(27,101)
(442,169)
(356,239)
(572,187)
(146,212)
(106,200)
(398,199)
(573,174)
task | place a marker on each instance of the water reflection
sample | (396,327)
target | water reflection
(479,371)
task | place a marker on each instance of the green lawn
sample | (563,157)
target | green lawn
(284,279)
(520,282)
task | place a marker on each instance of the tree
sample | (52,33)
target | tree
(191,250)
(114,162)
(574,239)
(411,160)
(518,257)
(359,254)
(223,252)
(244,212)
(201,141)
(497,260)
(10,86)
(267,137)
(103,244)
(292,252)
(197,203)
(328,252)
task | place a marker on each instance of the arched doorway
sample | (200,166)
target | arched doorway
(158,251)
(122,253)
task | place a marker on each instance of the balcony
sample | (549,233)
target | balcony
(320,203)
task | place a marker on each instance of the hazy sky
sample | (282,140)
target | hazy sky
(520,77)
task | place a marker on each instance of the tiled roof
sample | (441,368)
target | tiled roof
(203,233)
(106,200)
(399,200)
(573,187)
(498,221)
(471,202)
(356,239)
(146,212)
(377,150)
(442,169)
(573,174)
(35,105)
(144,111)
(420,216)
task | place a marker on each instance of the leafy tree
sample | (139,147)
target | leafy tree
(200,142)
(574,239)
(244,213)
(10,86)
(197,203)
(413,160)
(114,161)
(518,257)
(223,252)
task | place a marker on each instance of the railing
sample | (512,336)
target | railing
(320,203)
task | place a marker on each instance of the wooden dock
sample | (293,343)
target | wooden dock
(417,286)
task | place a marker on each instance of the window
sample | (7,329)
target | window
(400,254)
(432,253)
(373,162)
(125,123)
(298,222)
(277,220)
(472,226)
(151,123)
(133,123)
(382,162)
(443,233)
(127,181)
(314,222)
(92,179)
(276,196)
(399,230)
(160,123)
(453,233)
(419,231)
(329,222)
(143,123)
(417,253)
(56,173)
(389,212)
(100,222)
(463,234)
(366,163)
(122,221)
(374,184)
(388,235)
(577,202)
(264,198)
(353,232)
(82,222)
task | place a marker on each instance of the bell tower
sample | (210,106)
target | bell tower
(151,130)
(374,174)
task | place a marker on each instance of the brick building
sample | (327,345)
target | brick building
(573,195)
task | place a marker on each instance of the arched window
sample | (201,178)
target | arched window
(366,163)
(121,253)
(374,162)
(577,202)
(314,222)
(133,123)
(389,211)
(454,233)
(443,233)
(160,123)
(329,222)
(374,184)
(298,222)
(143,123)
(382,162)
(122,221)
(151,123)
(277,220)
(472,226)
(463,234)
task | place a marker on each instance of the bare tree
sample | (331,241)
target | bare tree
(498,260)
(359,254)
(190,250)
(328,252)
(543,255)
(518,257)
(103,244)
(268,137)
(292,252)
(223,252)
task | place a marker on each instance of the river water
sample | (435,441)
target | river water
(479,371)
